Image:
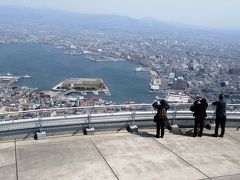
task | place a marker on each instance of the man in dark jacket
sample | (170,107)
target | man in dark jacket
(199,108)
(220,115)
(162,107)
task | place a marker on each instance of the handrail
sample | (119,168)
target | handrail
(20,128)
(56,112)
(102,106)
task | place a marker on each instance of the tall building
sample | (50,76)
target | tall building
(155,84)
(179,84)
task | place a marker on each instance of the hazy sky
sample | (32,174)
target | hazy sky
(212,13)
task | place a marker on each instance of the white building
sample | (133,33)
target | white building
(155,84)
(178,98)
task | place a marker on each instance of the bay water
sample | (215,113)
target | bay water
(48,66)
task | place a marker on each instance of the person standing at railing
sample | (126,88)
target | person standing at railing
(220,115)
(161,116)
(199,108)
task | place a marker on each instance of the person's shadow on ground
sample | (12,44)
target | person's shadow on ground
(188,133)
(145,134)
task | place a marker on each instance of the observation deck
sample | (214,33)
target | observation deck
(114,153)
(123,156)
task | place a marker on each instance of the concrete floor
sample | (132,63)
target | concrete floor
(122,156)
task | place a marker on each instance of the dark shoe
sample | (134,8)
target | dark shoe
(194,135)
(161,136)
(200,135)
(221,135)
(156,136)
(214,135)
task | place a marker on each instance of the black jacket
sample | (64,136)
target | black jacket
(220,108)
(199,108)
(158,105)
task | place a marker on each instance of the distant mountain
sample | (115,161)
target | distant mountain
(146,26)
(21,14)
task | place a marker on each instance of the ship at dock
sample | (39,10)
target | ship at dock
(142,69)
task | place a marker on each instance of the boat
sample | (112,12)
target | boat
(95,92)
(142,69)
(139,69)
(84,93)
(26,76)
(9,74)
(107,93)
(129,102)
(91,58)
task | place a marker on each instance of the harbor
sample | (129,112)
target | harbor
(53,67)
(8,79)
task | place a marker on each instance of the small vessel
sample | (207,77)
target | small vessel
(95,92)
(139,69)
(129,102)
(108,93)
(142,69)
(84,93)
(91,58)
(26,76)
(9,74)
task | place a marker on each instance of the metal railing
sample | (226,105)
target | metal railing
(24,124)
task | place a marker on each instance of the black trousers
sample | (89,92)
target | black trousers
(199,121)
(160,125)
(220,121)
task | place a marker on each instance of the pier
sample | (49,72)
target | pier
(82,85)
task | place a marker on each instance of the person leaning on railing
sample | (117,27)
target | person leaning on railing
(220,115)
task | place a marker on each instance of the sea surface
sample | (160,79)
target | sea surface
(48,66)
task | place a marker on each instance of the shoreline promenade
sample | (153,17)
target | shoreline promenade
(123,156)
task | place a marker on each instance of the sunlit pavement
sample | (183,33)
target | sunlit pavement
(123,156)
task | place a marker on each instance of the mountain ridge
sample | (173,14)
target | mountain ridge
(102,22)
